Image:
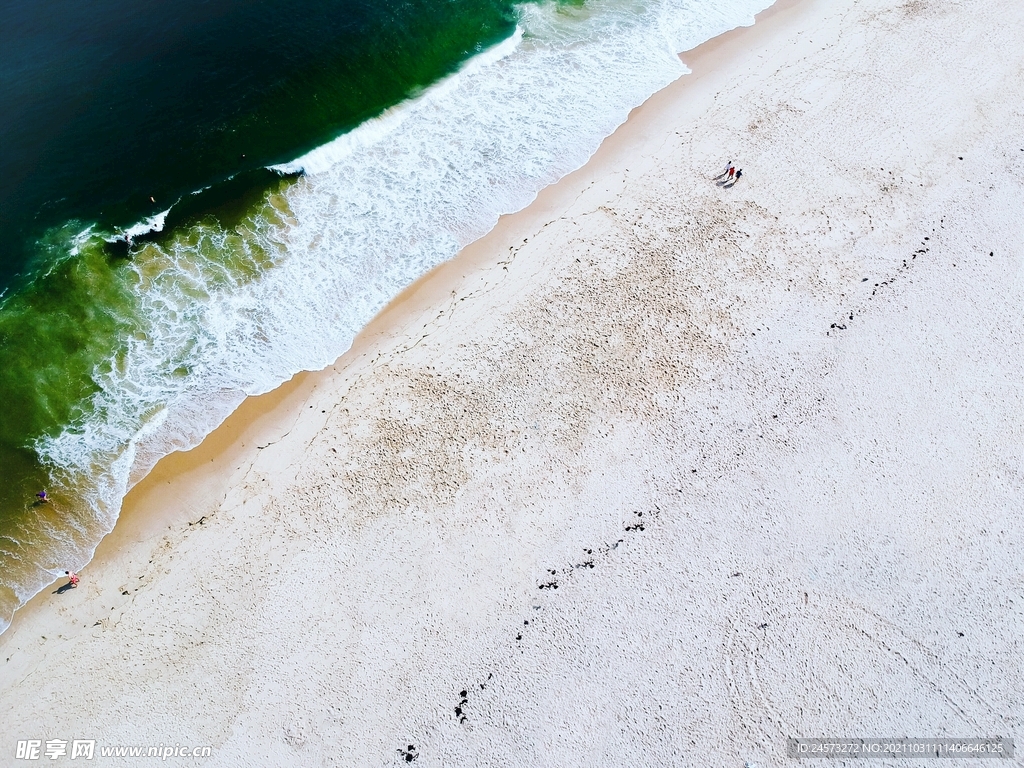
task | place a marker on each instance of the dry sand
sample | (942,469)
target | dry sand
(657,473)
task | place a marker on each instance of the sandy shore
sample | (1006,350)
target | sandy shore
(660,472)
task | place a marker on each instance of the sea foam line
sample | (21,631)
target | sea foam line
(375,129)
(154,223)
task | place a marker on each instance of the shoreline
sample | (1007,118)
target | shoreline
(143,516)
(661,470)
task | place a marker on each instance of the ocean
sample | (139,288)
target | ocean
(201,198)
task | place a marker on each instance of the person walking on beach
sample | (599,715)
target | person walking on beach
(72,579)
(738,174)
(727,167)
(732,171)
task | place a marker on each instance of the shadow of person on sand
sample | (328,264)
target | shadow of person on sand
(63,589)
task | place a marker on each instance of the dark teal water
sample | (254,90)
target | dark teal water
(104,105)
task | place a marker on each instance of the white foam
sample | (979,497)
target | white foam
(154,223)
(79,240)
(375,129)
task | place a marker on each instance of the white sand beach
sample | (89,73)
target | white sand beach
(659,472)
